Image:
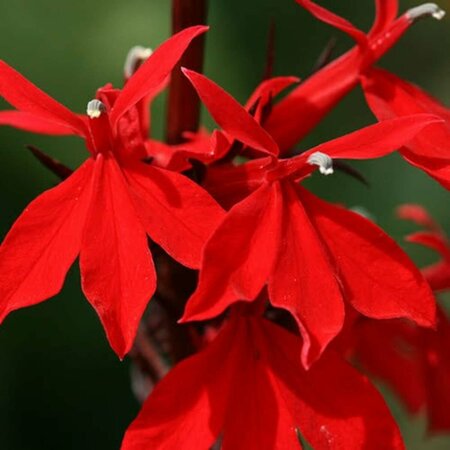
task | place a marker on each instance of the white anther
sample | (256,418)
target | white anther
(95,108)
(136,56)
(425,10)
(323,161)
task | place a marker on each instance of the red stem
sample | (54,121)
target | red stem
(183,105)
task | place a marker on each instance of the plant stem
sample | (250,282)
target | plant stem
(184,105)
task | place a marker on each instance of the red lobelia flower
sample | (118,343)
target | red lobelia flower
(413,361)
(312,255)
(389,96)
(293,117)
(104,210)
(249,390)
(210,148)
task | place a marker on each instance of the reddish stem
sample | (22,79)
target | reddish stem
(184,106)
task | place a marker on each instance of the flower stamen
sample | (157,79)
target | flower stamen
(95,108)
(135,57)
(323,161)
(425,10)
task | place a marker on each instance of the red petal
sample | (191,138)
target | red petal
(248,387)
(269,89)
(189,418)
(389,96)
(333,406)
(379,278)
(26,97)
(438,276)
(437,373)
(376,140)
(417,214)
(149,77)
(266,91)
(33,123)
(257,415)
(386,13)
(303,280)
(230,184)
(176,213)
(117,272)
(373,141)
(431,240)
(334,20)
(230,115)
(239,256)
(437,168)
(295,115)
(43,243)
(389,351)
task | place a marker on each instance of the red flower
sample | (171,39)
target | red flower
(389,96)
(105,209)
(293,117)
(413,361)
(311,255)
(248,389)
(209,148)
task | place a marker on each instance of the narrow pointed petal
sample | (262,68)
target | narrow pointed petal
(377,140)
(257,415)
(295,115)
(117,273)
(333,406)
(300,111)
(190,418)
(230,115)
(248,388)
(334,20)
(150,76)
(438,274)
(437,168)
(380,280)
(431,240)
(304,282)
(34,123)
(43,243)
(239,256)
(26,97)
(270,88)
(373,141)
(176,213)
(417,214)
(386,13)
(265,93)
(389,96)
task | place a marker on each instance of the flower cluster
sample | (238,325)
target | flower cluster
(290,287)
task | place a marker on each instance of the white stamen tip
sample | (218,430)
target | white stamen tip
(323,161)
(136,56)
(425,10)
(95,108)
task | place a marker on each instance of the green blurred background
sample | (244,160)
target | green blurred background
(61,387)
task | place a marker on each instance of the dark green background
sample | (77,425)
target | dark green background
(61,387)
